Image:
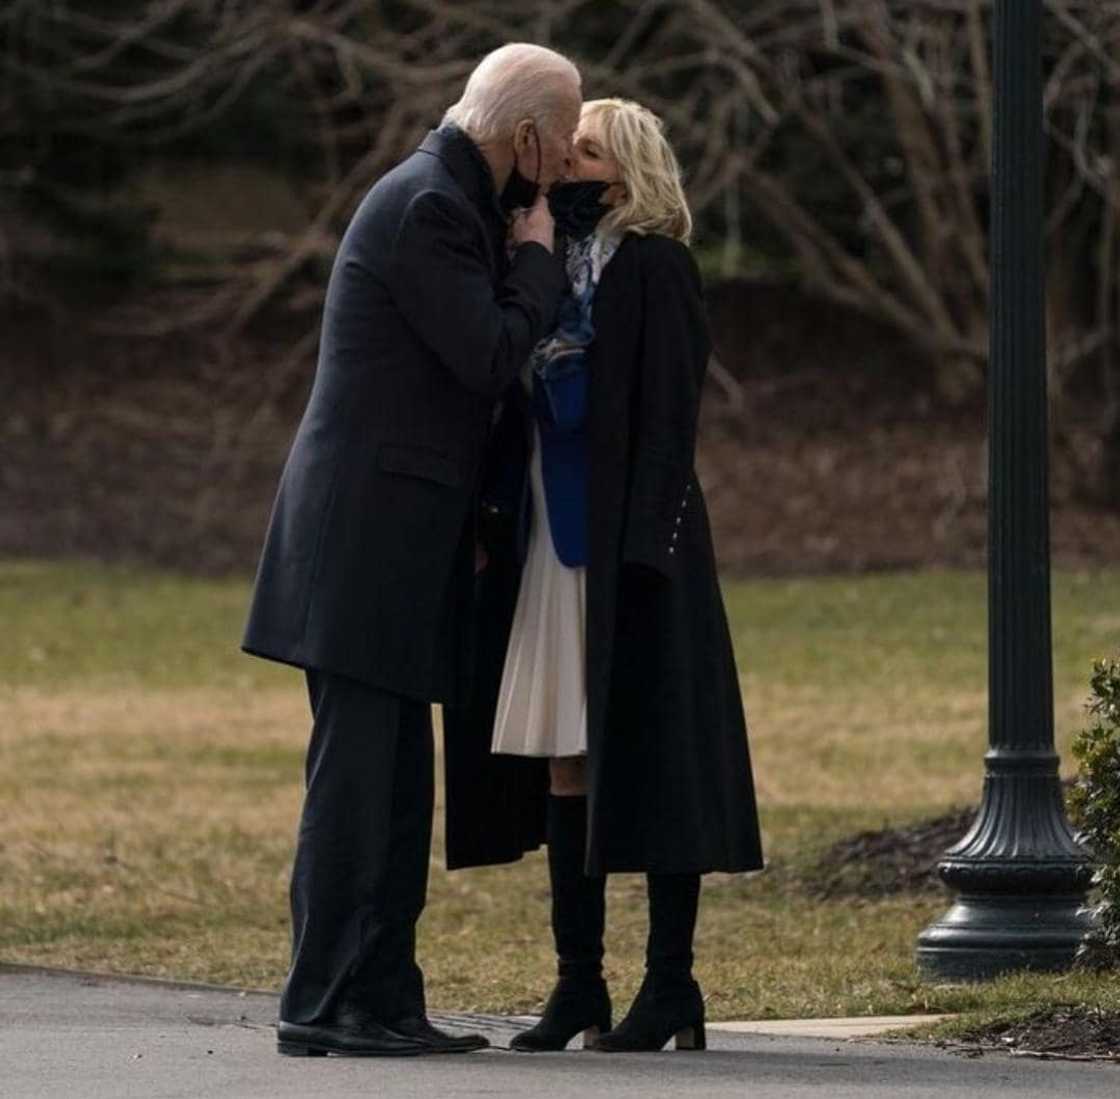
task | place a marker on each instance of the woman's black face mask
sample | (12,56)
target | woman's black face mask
(519,191)
(576,206)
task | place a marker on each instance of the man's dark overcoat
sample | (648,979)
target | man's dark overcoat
(670,783)
(367,568)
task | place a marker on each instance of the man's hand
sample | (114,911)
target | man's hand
(534,224)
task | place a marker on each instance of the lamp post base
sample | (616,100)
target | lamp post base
(985,934)
(1022,878)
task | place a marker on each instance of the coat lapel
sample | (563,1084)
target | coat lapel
(469,169)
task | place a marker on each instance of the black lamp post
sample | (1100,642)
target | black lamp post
(1021,877)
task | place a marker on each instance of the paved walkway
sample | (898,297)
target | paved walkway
(74,1037)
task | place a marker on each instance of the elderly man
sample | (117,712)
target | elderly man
(366,576)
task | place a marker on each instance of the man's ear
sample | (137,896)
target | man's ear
(523,134)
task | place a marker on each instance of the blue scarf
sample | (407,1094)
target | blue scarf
(559,362)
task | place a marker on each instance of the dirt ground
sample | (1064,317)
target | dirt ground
(1076,1032)
(830,453)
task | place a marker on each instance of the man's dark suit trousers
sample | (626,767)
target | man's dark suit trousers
(361,868)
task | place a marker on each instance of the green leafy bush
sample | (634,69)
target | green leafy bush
(1095,809)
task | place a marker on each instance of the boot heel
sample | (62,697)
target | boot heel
(573,1008)
(298,1049)
(692,1037)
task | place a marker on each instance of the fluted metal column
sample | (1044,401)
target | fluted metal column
(1022,878)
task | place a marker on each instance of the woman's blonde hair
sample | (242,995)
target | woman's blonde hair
(655,201)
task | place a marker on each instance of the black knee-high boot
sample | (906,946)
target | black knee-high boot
(669,1003)
(580,1000)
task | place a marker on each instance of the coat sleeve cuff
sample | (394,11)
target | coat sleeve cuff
(654,536)
(654,545)
(534,260)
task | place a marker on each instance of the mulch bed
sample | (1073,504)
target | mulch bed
(888,861)
(1077,1032)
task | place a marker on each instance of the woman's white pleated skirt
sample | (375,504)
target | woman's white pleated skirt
(542,704)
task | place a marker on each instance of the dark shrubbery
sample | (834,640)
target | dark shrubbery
(1095,809)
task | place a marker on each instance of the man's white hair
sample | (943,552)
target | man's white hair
(515,82)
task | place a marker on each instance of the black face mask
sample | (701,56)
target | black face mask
(576,206)
(519,191)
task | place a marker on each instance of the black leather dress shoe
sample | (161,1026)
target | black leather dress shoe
(418,1029)
(351,1035)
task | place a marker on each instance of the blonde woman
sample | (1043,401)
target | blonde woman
(604,655)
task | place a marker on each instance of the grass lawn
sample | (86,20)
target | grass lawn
(150,785)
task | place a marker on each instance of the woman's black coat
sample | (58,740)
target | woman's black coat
(670,785)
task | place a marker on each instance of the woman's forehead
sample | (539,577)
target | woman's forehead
(590,129)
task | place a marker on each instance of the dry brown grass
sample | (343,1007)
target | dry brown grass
(151,789)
